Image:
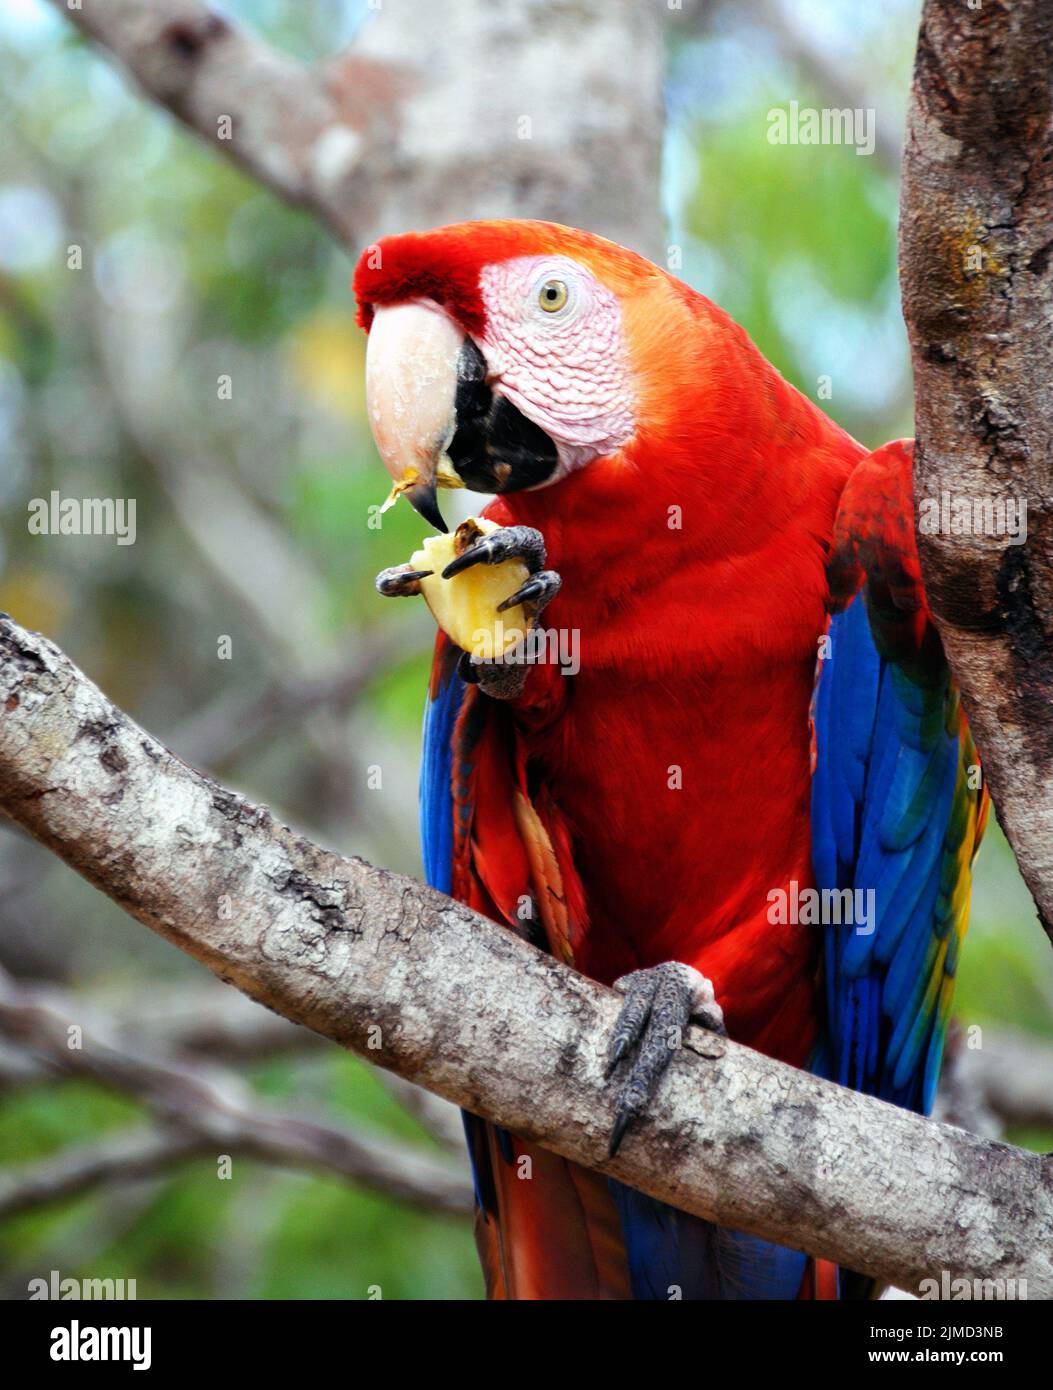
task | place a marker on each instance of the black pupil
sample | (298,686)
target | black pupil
(551,293)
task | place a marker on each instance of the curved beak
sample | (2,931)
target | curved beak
(411,391)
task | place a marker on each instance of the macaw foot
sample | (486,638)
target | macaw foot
(503,679)
(513,543)
(659,1004)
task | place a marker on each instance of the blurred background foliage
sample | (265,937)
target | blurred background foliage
(252,520)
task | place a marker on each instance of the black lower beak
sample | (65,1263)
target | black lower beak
(421,497)
(495,448)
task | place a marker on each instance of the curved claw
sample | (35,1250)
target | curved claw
(540,589)
(469,670)
(400,581)
(659,1004)
(510,543)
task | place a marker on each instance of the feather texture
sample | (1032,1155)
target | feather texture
(898,808)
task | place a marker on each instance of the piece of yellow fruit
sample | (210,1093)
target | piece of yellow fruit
(465,607)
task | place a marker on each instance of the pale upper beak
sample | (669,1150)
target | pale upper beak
(411,390)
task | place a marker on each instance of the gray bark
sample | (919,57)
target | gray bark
(438,113)
(424,987)
(523,108)
(976,265)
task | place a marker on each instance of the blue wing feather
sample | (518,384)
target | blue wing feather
(436,792)
(890,811)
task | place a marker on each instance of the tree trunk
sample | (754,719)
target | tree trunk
(524,109)
(976,265)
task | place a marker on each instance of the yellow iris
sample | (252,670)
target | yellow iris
(552,296)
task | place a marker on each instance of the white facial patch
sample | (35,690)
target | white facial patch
(561,361)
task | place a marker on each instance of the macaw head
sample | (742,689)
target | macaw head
(504,356)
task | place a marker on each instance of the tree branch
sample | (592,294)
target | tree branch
(266,112)
(200,1113)
(397,132)
(1007,1080)
(211,1022)
(1014,1076)
(116,1159)
(423,986)
(976,265)
(225,730)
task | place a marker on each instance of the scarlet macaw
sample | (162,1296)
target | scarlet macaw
(743,726)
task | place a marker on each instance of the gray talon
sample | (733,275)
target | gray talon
(400,581)
(659,1004)
(468,670)
(540,589)
(510,543)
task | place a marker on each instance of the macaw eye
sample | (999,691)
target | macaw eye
(552,296)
